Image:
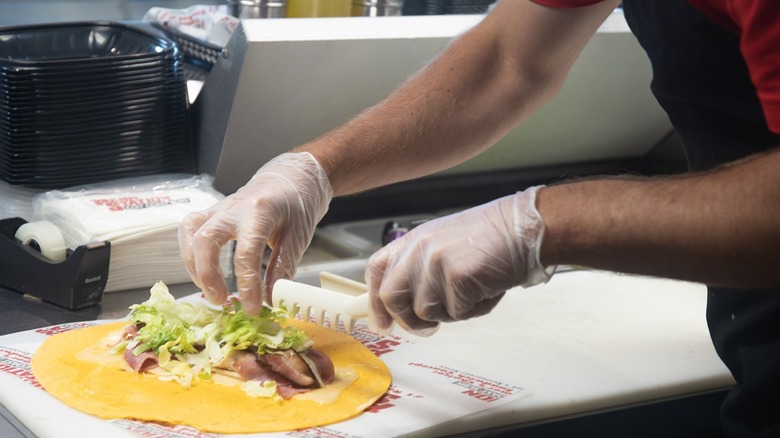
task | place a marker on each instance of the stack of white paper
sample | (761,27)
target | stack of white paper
(140,218)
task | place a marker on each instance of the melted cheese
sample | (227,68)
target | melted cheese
(102,353)
(225,377)
(331,392)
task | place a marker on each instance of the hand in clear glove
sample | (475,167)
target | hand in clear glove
(279,207)
(457,267)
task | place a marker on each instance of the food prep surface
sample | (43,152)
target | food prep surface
(586,342)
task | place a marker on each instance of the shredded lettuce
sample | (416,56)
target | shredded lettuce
(254,388)
(191,338)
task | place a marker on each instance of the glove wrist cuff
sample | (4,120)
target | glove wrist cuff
(302,166)
(322,177)
(529,229)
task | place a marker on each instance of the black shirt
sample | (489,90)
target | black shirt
(701,80)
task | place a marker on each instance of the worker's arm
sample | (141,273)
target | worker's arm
(720,227)
(483,84)
(480,87)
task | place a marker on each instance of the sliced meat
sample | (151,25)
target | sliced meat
(291,366)
(287,391)
(128,334)
(249,367)
(323,363)
(142,362)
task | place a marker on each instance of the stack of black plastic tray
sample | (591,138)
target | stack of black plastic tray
(89,102)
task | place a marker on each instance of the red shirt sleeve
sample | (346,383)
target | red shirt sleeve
(567,3)
(757,22)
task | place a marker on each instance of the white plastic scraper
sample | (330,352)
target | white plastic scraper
(339,298)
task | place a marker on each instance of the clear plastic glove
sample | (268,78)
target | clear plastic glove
(457,267)
(279,207)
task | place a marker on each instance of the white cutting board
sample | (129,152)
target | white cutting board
(587,341)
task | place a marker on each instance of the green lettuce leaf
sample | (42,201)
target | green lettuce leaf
(192,338)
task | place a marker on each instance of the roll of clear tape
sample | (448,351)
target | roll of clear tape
(45,237)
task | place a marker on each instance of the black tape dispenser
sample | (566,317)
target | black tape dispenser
(69,278)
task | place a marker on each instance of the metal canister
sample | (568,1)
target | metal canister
(258,8)
(319,8)
(377,8)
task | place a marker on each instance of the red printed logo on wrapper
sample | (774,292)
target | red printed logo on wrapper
(156,430)
(386,401)
(17,363)
(61,328)
(377,343)
(476,387)
(137,203)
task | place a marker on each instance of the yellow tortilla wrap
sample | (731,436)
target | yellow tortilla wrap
(111,392)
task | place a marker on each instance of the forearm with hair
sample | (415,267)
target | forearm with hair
(485,83)
(720,227)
